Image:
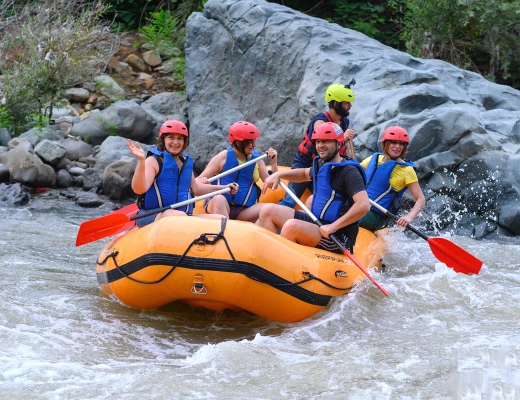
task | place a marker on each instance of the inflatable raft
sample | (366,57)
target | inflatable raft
(220,264)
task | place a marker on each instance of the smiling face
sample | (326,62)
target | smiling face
(174,143)
(326,148)
(394,148)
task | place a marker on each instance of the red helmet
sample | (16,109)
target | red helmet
(242,130)
(173,126)
(328,131)
(395,133)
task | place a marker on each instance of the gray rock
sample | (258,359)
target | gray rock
(50,152)
(13,195)
(113,149)
(63,179)
(117,179)
(36,135)
(77,149)
(5,137)
(110,88)
(27,168)
(124,118)
(92,178)
(88,199)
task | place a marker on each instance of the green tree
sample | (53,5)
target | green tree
(481,35)
(47,47)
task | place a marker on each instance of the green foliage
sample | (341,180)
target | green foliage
(48,47)
(379,19)
(37,120)
(481,35)
(162,31)
(6,119)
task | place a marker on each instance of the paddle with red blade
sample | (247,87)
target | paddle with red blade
(449,253)
(333,237)
(110,224)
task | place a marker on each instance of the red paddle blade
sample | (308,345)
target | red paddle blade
(99,228)
(454,256)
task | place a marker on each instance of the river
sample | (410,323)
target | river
(440,335)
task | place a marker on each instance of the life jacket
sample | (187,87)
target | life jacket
(378,186)
(248,192)
(327,205)
(307,150)
(170,186)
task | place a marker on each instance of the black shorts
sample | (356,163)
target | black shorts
(327,244)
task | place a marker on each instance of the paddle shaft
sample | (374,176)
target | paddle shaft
(396,218)
(333,237)
(180,204)
(238,167)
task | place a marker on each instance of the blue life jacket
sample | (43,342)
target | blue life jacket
(248,192)
(327,205)
(170,186)
(378,186)
(307,150)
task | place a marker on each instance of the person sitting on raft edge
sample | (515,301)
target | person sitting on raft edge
(389,175)
(340,197)
(242,205)
(164,176)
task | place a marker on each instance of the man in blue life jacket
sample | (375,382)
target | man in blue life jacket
(339,98)
(388,176)
(340,197)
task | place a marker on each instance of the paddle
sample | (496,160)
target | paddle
(445,251)
(108,226)
(333,237)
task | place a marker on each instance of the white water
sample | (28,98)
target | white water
(440,335)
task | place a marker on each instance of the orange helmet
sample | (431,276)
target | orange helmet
(242,130)
(328,131)
(395,133)
(173,126)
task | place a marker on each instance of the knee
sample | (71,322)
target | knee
(290,229)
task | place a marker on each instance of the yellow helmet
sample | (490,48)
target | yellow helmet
(339,92)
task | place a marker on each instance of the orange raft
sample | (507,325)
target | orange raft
(220,264)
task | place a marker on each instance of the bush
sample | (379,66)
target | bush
(49,46)
(481,35)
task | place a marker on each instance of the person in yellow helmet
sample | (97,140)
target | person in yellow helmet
(339,97)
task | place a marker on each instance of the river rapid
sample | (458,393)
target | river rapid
(440,335)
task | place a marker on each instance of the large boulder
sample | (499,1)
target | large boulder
(27,168)
(265,63)
(125,118)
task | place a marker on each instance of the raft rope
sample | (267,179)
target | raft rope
(213,238)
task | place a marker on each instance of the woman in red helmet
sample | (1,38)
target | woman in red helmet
(340,197)
(164,176)
(241,205)
(388,176)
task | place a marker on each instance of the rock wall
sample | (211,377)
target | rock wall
(270,65)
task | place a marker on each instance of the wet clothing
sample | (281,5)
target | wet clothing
(338,183)
(248,192)
(171,185)
(306,153)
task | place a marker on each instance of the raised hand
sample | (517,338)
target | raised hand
(136,150)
